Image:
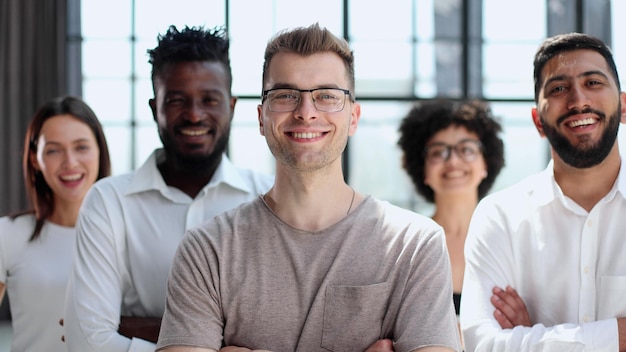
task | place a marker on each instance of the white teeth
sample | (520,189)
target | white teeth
(71,177)
(583,122)
(306,135)
(194,132)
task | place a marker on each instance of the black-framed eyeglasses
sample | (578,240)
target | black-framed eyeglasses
(288,99)
(467,149)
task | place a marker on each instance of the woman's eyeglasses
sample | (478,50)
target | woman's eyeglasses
(467,149)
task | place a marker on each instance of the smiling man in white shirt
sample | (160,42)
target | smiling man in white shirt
(130,225)
(545,269)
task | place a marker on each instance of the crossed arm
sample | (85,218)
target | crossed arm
(384,345)
(379,346)
(510,311)
(94,292)
(143,328)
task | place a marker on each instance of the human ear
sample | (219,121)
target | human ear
(259,110)
(152,103)
(537,121)
(354,118)
(622,97)
(32,157)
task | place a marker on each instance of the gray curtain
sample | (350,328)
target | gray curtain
(39,50)
(33,69)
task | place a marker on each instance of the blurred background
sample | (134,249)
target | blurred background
(406,51)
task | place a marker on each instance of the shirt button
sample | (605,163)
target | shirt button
(589,223)
(586,318)
(586,270)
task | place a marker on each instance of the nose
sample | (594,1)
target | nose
(306,110)
(70,158)
(578,98)
(195,111)
(453,156)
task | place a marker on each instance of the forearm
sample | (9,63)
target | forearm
(621,332)
(143,328)
(185,349)
(93,294)
(83,336)
(594,336)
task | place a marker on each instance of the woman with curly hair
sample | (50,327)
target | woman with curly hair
(452,153)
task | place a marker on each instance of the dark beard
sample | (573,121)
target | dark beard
(196,164)
(582,157)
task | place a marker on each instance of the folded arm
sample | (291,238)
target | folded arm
(498,319)
(94,293)
(500,327)
(143,328)
(384,345)
(621,327)
(510,309)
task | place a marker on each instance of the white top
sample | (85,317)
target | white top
(567,264)
(127,233)
(35,274)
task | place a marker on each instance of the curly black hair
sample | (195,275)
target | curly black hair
(191,44)
(429,117)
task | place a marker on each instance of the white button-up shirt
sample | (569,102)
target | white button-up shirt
(127,233)
(567,264)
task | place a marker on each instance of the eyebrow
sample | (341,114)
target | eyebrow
(584,74)
(184,92)
(80,140)
(469,139)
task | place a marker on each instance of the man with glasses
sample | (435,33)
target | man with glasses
(545,264)
(312,265)
(324,99)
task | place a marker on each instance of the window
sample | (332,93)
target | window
(405,51)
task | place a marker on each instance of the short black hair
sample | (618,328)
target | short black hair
(558,44)
(429,117)
(191,44)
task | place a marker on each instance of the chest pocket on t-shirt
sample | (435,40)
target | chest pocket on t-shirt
(353,316)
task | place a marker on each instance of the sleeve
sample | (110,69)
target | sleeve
(427,313)
(488,253)
(94,293)
(192,310)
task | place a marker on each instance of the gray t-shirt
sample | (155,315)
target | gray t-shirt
(248,279)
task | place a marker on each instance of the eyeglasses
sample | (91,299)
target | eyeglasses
(324,99)
(467,149)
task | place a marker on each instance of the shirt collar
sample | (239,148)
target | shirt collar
(621,180)
(544,186)
(546,189)
(147,177)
